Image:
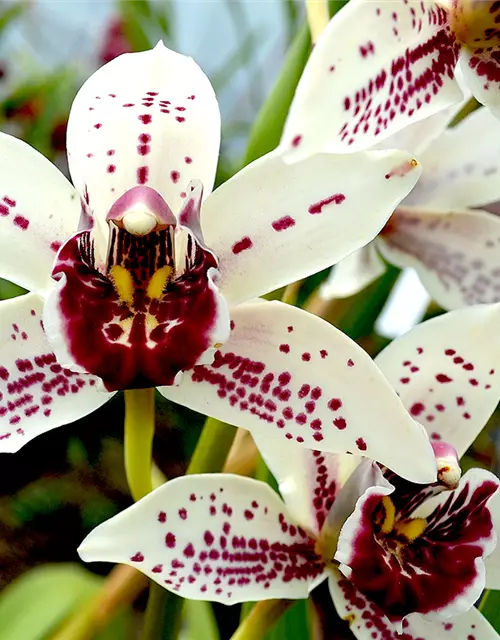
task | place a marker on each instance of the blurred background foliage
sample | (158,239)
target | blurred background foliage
(64,483)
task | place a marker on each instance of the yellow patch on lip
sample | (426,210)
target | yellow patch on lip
(123,283)
(411,529)
(389,515)
(158,281)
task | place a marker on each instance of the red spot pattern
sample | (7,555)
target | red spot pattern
(224,557)
(242,245)
(336,198)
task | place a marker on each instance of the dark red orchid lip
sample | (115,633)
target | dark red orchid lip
(406,564)
(146,315)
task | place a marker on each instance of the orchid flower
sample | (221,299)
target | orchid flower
(398,556)
(140,295)
(441,228)
(405,55)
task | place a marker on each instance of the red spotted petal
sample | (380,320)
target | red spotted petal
(211,537)
(444,370)
(378,67)
(36,393)
(287,374)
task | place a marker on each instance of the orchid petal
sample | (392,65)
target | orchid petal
(211,537)
(273,223)
(364,616)
(455,253)
(481,70)
(435,564)
(147,118)
(353,273)
(39,210)
(309,481)
(36,393)
(403,56)
(288,374)
(461,168)
(419,136)
(444,371)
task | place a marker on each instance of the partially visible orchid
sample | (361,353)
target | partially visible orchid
(141,296)
(405,54)
(441,228)
(400,557)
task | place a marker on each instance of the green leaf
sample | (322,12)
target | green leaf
(199,621)
(490,608)
(37,602)
(266,132)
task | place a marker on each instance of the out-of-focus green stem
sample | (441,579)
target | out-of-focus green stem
(139,432)
(212,447)
(261,619)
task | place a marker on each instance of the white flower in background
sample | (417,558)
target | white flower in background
(157,285)
(399,556)
(441,228)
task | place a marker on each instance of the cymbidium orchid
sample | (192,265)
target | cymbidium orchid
(441,228)
(405,54)
(141,296)
(400,557)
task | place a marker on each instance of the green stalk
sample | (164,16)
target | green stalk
(138,441)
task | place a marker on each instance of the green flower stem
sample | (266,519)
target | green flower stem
(163,613)
(212,448)
(139,432)
(261,619)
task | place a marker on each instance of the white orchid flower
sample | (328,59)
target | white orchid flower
(141,296)
(400,557)
(443,228)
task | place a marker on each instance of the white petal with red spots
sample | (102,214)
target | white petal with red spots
(36,393)
(353,273)
(287,374)
(461,168)
(274,223)
(378,67)
(445,371)
(147,118)
(481,69)
(492,562)
(309,481)
(211,537)
(455,252)
(39,210)
(368,623)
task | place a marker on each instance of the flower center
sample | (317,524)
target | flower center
(395,533)
(150,309)
(476,23)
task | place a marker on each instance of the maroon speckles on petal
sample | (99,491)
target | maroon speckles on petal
(146,118)
(335,404)
(361,444)
(138,557)
(442,378)
(283,223)
(337,198)
(174,176)
(142,175)
(242,245)
(284,348)
(162,516)
(170,540)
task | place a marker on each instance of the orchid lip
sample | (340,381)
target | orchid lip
(155,313)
